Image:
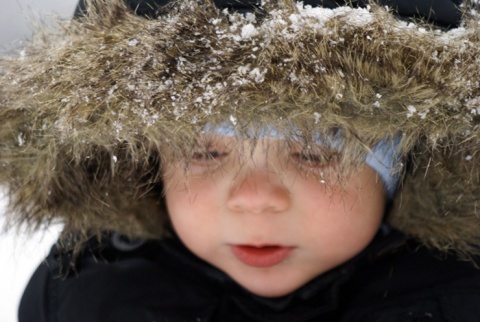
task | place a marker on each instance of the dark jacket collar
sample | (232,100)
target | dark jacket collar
(319,297)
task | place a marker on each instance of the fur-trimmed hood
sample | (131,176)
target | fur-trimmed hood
(86,112)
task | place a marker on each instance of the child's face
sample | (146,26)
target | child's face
(260,220)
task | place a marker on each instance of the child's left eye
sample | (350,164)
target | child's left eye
(310,159)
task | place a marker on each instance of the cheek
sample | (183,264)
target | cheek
(193,207)
(341,222)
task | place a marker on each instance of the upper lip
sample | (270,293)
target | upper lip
(261,245)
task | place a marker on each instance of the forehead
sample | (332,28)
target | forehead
(332,137)
(271,141)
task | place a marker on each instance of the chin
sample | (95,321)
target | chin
(269,291)
(266,287)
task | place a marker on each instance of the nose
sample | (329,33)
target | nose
(258,193)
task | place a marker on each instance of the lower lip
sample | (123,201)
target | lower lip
(261,256)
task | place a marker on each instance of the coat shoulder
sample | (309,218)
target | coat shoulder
(414,283)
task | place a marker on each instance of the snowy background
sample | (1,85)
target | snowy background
(21,253)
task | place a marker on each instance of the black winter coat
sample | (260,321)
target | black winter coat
(393,280)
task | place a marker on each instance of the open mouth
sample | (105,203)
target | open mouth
(263,256)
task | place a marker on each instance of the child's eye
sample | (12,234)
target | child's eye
(318,163)
(206,156)
(310,159)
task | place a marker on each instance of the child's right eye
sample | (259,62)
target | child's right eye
(202,162)
(206,156)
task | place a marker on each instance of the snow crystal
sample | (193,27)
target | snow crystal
(357,17)
(411,110)
(293,78)
(474,105)
(257,75)
(22,55)
(133,42)
(118,126)
(243,70)
(250,16)
(178,111)
(468,158)
(423,114)
(454,33)
(320,68)
(215,21)
(112,89)
(20,139)
(152,119)
(233,119)
(361,16)
(249,31)
(114,159)
(317,116)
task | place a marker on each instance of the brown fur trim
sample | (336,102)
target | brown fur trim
(86,114)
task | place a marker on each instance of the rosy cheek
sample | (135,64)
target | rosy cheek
(193,198)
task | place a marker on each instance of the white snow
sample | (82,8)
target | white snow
(249,31)
(20,139)
(20,255)
(233,119)
(411,110)
(133,42)
(257,75)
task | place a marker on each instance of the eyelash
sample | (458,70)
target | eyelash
(310,159)
(206,156)
(304,160)
(316,164)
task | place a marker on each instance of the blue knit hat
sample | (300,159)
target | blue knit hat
(382,158)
